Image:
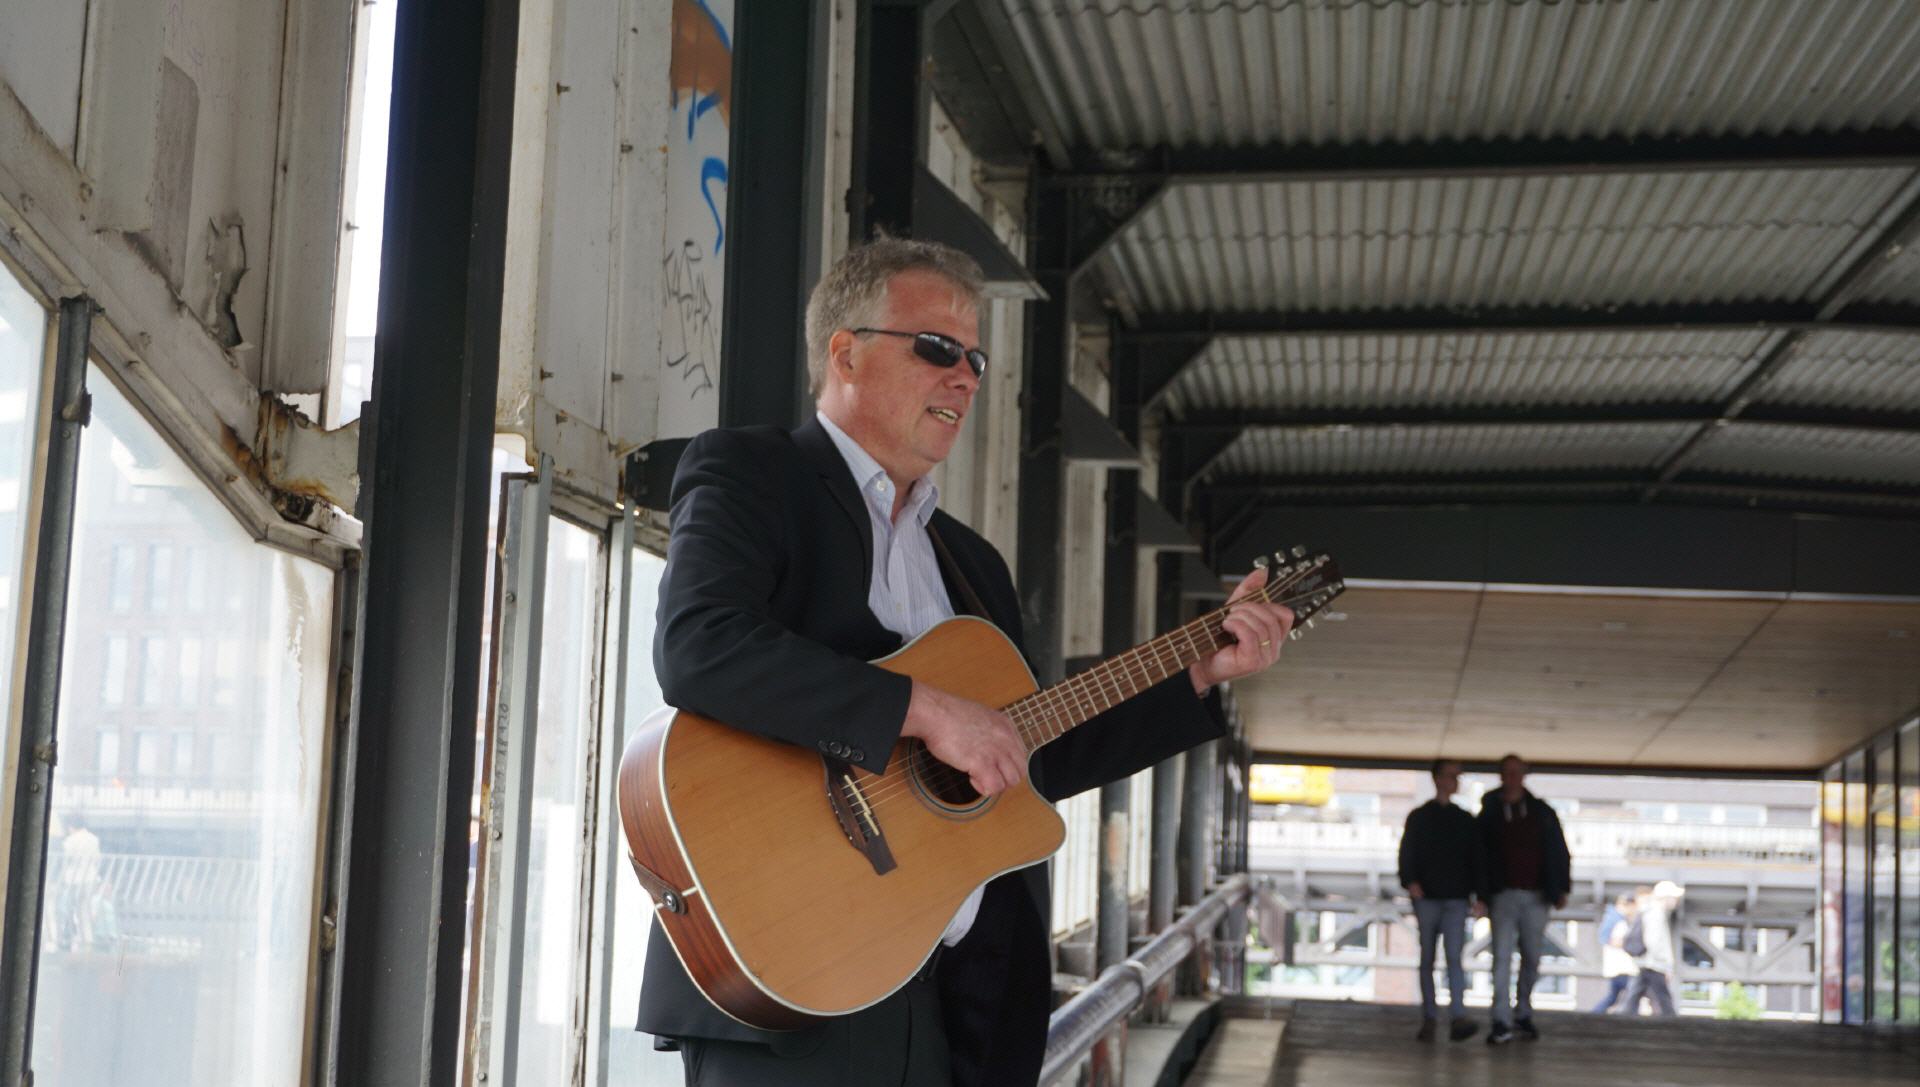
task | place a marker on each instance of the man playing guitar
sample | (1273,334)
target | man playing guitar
(794,559)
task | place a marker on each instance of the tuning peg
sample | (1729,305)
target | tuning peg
(1309,622)
(1299,551)
(1260,562)
(1293,635)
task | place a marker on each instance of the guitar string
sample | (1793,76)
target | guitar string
(1035,714)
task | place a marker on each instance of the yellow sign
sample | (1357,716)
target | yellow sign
(1286,783)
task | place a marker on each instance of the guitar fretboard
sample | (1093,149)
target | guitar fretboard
(1048,714)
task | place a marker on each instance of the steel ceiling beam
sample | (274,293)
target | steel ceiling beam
(1886,147)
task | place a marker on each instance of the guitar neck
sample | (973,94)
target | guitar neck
(1047,714)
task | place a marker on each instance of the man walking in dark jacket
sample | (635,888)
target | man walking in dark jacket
(1528,872)
(1442,866)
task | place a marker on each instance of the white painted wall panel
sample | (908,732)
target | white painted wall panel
(693,251)
(231,53)
(41,46)
(616,237)
(640,194)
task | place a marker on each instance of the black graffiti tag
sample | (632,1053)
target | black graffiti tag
(697,353)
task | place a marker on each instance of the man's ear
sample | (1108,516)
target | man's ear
(840,353)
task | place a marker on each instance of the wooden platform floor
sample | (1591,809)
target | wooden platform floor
(1330,1044)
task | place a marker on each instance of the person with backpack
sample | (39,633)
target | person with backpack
(1442,866)
(1615,962)
(1654,943)
(1529,872)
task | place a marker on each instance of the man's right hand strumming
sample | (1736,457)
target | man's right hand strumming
(967,736)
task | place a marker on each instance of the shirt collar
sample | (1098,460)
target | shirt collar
(922,497)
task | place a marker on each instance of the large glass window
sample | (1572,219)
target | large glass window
(1833,822)
(1880,881)
(23,355)
(179,919)
(1854,900)
(1907,813)
(568,659)
(630,1056)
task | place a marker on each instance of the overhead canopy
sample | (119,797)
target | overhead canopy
(1507,257)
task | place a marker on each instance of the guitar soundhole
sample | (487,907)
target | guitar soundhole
(941,783)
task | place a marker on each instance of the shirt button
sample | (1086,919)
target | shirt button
(855,755)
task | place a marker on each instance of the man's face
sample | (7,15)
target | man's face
(1446,780)
(902,409)
(1513,776)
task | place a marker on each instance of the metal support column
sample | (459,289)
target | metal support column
(1043,466)
(399,889)
(773,188)
(33,763)
(1117,616)
(1119,632)
(890,108)
(1198,791)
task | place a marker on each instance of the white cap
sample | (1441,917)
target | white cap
(1667,888)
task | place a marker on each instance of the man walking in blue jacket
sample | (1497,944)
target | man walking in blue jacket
(1442,866)
(1529,872)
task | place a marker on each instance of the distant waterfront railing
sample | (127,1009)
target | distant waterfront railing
(1588,839)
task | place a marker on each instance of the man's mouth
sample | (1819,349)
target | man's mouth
(945,415)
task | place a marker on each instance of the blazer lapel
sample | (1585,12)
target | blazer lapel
(817,445)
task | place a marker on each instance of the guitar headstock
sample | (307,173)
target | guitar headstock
(1304,581)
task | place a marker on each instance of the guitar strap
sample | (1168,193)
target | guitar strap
(975,606)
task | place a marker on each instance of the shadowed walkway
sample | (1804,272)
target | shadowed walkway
(1329,1044)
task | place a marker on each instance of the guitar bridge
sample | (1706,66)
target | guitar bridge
(856,816)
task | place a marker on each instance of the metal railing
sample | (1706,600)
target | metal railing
(1079,1024)
(1589,839)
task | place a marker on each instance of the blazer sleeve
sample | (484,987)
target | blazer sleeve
(1154,725)
(717,648)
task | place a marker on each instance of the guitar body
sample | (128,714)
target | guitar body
(784,918)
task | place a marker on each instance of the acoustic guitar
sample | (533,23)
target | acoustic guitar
(796,887)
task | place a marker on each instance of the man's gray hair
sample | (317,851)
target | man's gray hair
(853,290)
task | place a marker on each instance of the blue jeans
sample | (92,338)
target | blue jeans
(1519,917)
(1616,988)
(1442,917)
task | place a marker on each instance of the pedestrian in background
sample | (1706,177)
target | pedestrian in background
(1442,866)
(1615,963)
(1656,950)
(1529,872)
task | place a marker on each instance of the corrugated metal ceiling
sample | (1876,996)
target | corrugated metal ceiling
(1123,76)
(1586,240)
(1440,450)
(1134,73)
(1812,453)
(1864,371)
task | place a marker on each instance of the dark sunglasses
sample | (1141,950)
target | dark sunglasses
(942,351)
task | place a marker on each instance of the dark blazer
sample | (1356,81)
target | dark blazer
(1556,864)
(764,624)
(1440,849)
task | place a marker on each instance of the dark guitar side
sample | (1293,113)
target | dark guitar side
(694,934)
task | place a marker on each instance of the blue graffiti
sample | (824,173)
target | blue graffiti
(712,170)
(700,106)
